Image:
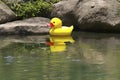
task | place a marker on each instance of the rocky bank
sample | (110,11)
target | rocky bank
(90,15)
(35,25)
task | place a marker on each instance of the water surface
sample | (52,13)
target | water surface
(93,56)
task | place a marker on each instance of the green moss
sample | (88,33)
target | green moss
(33,8)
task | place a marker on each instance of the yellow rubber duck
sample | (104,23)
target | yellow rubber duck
(58,29)
(57,43)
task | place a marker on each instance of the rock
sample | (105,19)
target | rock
(35,25)
(92,15)
(65,11)
(6,14)
(12,1)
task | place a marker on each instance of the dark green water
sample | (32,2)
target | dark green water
(93,56)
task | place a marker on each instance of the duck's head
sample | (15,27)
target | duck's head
(55,23)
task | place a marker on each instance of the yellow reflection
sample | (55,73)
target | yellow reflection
(58,43)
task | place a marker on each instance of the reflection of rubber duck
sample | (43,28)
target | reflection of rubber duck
(57,43)
(58,29)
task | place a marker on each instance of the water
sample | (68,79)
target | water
(88,56)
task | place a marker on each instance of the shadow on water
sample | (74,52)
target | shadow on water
(93,56)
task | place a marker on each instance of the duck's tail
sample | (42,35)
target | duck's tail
(72,27)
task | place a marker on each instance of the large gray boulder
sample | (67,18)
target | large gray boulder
(92,15)
(35,25)
(6,14)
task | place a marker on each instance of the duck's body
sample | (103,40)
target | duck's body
(61,31)
(58,29)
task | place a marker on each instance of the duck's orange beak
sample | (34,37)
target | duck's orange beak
(50,43)
(51,25)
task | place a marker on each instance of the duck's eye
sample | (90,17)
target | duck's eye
(53,22)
